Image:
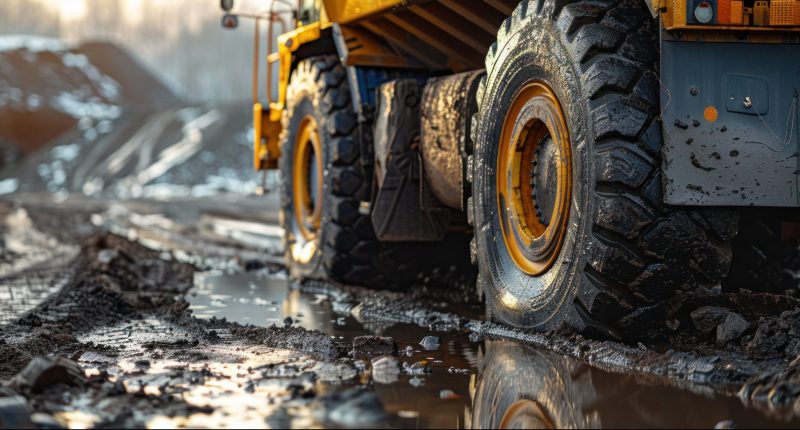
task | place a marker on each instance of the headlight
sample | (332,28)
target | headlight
(704,13)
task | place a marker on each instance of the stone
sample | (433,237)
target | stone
(430,343)
(14,413)
(357,407)
(43,372)
(727,424)
(334,372)
(385,370)
(707,318)
(731,328)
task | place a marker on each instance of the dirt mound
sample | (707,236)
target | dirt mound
(760,324)
(137,86)
(47,89)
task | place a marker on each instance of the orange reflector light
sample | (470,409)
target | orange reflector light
(710,114)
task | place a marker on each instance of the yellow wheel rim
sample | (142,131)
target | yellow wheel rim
(307,171)
(526,414)
(534,178)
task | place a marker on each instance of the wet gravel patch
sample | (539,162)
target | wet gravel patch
(122,320)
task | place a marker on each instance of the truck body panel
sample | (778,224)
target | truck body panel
(731,122)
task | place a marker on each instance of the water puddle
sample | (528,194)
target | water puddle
(258,299)
(477,384)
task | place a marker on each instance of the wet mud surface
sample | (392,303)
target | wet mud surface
(141,322)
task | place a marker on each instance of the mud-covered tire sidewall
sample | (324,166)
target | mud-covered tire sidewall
(514,296)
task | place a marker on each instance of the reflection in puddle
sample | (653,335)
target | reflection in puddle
(258,299)
(464,383)
(522,387)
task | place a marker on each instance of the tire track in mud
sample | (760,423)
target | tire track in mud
(33,266)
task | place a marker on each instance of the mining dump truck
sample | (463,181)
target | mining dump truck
(595,154)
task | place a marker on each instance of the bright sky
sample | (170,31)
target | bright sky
(70,9)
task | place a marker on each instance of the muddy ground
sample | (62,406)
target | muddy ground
(157,313)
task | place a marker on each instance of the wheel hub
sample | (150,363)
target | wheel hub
(544,179)
(534,178)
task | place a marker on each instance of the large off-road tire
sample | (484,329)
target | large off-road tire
(324,178)
(587,71)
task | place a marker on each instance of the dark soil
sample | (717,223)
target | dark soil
(673,324)
(119,281)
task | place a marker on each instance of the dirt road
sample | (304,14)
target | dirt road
(178,313)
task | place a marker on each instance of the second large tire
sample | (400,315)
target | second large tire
(324,179)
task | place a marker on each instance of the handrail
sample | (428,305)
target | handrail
(272,16)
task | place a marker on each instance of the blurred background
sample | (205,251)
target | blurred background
(127,98)
(181,41)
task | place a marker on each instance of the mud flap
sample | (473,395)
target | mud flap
(403,208)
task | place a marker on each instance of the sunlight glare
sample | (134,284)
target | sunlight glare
(71,9)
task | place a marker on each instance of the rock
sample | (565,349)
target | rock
(430,343)
(409,415)
(707,318)
(776,337)
(373,345)
(45,421)
(448,395)
(418,368)
(106,256)
(288,321)
(728,424)
(43,372)
(14,413)
(334,372)
(280,419)
(730,329)
(385,370)
(353,408)
(673,324)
